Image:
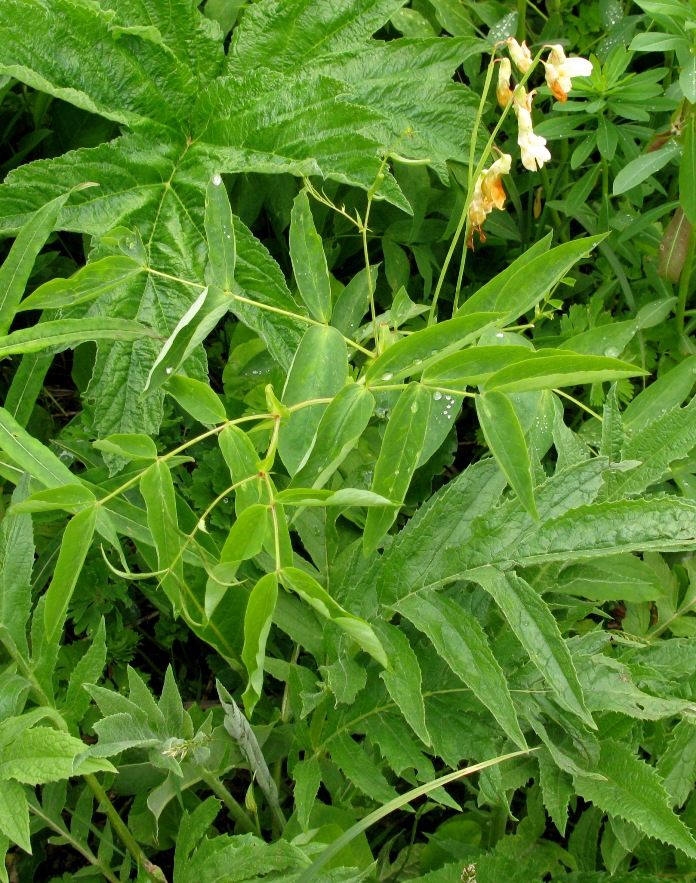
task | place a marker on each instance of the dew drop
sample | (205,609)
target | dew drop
(387,376)
(437,396)
(217,180)
(226,500)
(168,370)
(396,471)
(448,398)
(612,352)
(500,334)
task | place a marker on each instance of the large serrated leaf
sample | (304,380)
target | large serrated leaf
(462,643)
(633,791)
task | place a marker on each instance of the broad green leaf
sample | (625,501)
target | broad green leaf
(319,370)
(15,272)
(398,458)
(197,399)
(687,79)
(633,791)
(191,329)
(257,625)
(515,293)
(16,564)
(677,764)
(14,814)
(67,496)
(413,354)
(77,539)
(403,677)
(337,434)
(537,631)
(473,366)
(549,372)
(129,445)
(557,788)
(360,769)
(40,755)
(65,333)
(308,260)
(505,439)
(640,169)
(317,597)
(461,642)
(220,236)
(663,394)
(616,578)
(157,488)
(663,524)
(88,670)
(87,284)
(654,449)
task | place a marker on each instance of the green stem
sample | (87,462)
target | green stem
(151,870)
(233,807)
(684,281)
(76,845)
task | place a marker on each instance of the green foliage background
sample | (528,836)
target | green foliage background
(308,515)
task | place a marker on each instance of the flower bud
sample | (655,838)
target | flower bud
(520,54)
(503,91)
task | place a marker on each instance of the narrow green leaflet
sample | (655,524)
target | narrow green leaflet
(16,564)
(537,631)
(415,353)
(67,496)
(197,399)
(87,284)
(31,455)
(530,278)
(505,438)
(243,462)
(641,168)
(474,366)
(220,236)
(77,539)
(244,540)
(338,432)
(191,330)
(549,372)
(317,597)
(129,445)
(18,265)
(257,625)
(319,370)
(308,260)
(461,642)
(398,458)
(633,791)
(26,386)
(65,333)
(157,488)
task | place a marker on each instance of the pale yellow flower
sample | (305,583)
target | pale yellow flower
(520,54)
(532,146)
(489,193)
(503,90)
(560,70)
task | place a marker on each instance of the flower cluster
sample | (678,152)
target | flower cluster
(488,189)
